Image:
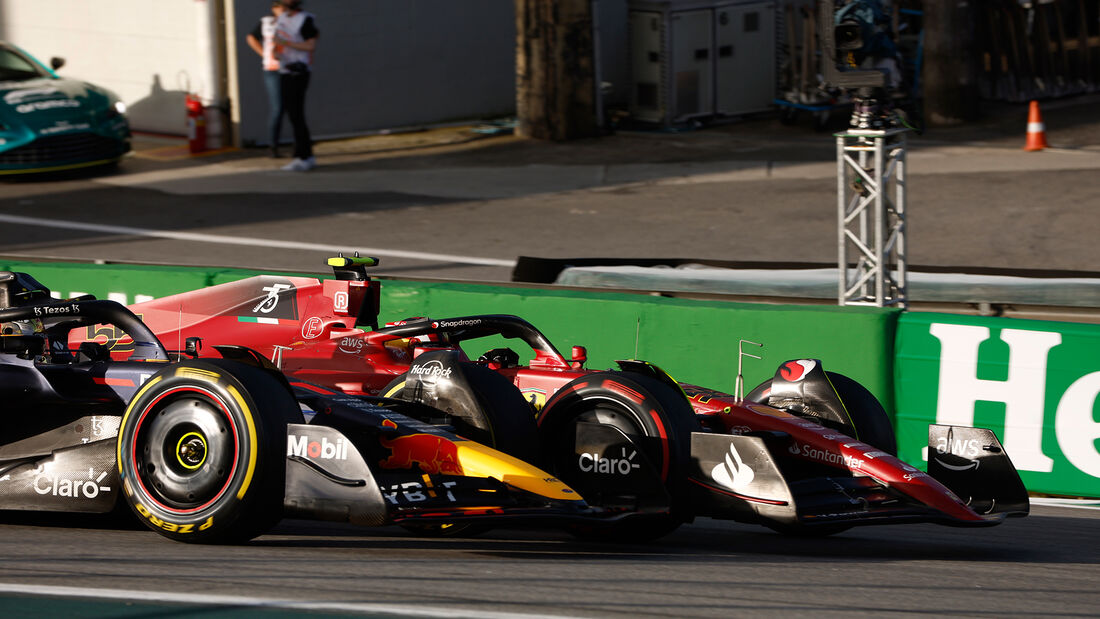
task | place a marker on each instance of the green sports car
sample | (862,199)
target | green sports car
(52,123)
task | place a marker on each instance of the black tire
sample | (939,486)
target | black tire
(871,423)
(498,425)
(202,451)
(658,419)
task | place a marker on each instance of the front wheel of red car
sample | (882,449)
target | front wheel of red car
(201,451)
(657,421)
(869,421)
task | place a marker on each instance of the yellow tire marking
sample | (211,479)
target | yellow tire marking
(251,437)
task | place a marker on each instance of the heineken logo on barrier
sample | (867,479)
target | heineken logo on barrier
(1042,380)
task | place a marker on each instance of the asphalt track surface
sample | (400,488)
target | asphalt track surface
(1043,565)
(442,204)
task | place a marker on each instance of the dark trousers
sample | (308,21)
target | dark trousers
(294,104)
(273,82)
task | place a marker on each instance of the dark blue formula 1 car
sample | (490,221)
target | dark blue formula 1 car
(219,449)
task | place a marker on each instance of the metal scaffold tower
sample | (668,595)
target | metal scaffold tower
(871,217)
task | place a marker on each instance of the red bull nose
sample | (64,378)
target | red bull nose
(433,454)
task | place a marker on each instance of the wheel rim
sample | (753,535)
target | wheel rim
(595,410)
(185,450)
(607,412)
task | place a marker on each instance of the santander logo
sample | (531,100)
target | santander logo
(733,473)
(797,370)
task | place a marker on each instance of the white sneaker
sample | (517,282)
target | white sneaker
(301,165)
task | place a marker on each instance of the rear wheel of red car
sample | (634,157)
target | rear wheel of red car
(201,451)
(872,424)
(654,416)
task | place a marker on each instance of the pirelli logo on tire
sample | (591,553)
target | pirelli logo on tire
(172,527)
(198,374)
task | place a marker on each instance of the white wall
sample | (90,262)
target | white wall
(390,63)
(379,63)
(144,50)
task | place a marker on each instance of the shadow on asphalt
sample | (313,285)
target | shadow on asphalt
(1037,539)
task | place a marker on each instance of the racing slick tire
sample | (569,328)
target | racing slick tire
(868,417)
(202,451)
(515,434)
(653,415)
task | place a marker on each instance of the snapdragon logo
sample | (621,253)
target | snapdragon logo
(595,463)
(451,324)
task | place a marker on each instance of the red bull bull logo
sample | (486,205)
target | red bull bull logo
(433,454)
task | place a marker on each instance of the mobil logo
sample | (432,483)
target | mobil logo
(433,454)
(302,447)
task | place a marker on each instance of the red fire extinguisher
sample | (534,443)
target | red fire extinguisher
(196,123)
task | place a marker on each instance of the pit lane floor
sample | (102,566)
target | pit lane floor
(1045,565)
(443,203)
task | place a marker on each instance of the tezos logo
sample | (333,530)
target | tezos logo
(797,370)
(55,485)
(301,446)
(594,463)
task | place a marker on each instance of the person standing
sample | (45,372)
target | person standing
(296,33)
(262,41)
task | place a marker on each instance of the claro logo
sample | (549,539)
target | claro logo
(595,463)
(302,447)
(56,485)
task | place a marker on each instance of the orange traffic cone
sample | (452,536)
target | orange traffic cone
(1036,131)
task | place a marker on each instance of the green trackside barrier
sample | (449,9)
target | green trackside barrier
(124,283)
(695,341)
(1034,383)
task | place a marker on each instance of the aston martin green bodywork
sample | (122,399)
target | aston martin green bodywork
(48,122)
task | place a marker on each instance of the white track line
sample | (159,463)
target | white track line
(250,241)
(1073,503)
(255,602)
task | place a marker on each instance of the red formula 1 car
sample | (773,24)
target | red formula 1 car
(808,452)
